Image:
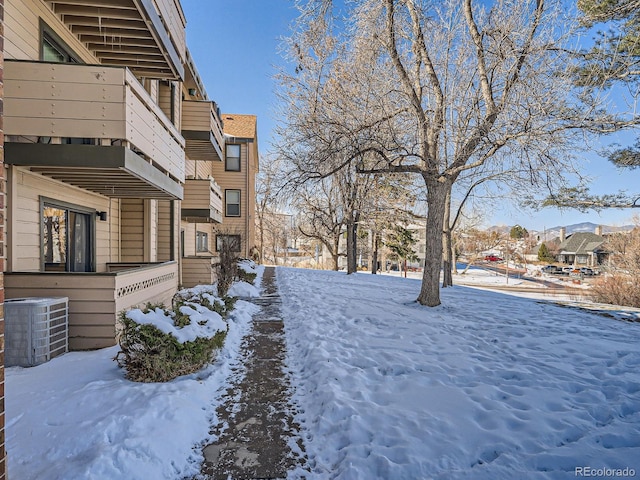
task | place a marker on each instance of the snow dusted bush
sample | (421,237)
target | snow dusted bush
(246,271)
(158,345)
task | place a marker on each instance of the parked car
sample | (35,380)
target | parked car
(551,269)
(492,258)
(587,271)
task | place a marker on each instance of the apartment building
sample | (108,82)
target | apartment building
(237,177)
(202,204)
(113,148)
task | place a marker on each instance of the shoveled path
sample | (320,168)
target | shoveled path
(255,422)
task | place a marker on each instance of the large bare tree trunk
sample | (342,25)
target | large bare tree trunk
(352,243)
(437,200)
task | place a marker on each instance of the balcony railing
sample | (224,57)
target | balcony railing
(202,201)
(96,299)
(51,102)
(202,129)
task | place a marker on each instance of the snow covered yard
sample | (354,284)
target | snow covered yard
(77,417)
(485,386)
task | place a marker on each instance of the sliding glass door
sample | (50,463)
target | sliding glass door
(67,240)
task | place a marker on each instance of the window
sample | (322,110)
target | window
(232,158)
(202,242)
(53,49)
(67,238)
(232,203)
(232,240)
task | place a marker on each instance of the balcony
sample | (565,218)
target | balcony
(96,299)
(134,150)
(148,36)
(202,201)
(202,130)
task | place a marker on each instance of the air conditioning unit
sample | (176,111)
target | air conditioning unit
(36,330)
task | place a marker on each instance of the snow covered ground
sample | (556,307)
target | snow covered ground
(77,418)
(485,386)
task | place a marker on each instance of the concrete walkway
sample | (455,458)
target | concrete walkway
(255,423)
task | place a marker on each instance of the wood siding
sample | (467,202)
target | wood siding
(202,168)
(201,116)
(244,180)
(203,194)
(26,188)
(190,230)
(132,230)
(164,231)
(22,31)
(198,271)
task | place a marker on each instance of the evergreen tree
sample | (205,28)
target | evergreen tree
(614,57)
(400,241)
(517,232)
(613,60)
(544,255)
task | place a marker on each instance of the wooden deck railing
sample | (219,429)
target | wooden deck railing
(96,299)
(54,101)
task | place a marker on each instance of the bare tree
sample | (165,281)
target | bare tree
(321,214)
(268,203)
(620,285)
(433,89)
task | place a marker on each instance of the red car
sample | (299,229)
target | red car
(492,258)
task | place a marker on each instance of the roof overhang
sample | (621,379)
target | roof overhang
(127,33)
(112,171)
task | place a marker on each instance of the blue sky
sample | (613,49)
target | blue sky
(235,45)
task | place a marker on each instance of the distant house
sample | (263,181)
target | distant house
(582,248)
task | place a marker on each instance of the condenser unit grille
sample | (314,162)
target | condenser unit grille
(36,330)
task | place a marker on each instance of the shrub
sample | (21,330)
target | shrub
(226,268)
(149,355)
(617,289)
(245,276)
(153,352)
(204,295)
(246,270)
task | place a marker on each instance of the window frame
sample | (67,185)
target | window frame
(91,242)
(237,237)
(226,202)
(227,157)
(51,37)
(202,242)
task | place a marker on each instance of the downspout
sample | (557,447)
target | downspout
(172,231)
(247,246)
